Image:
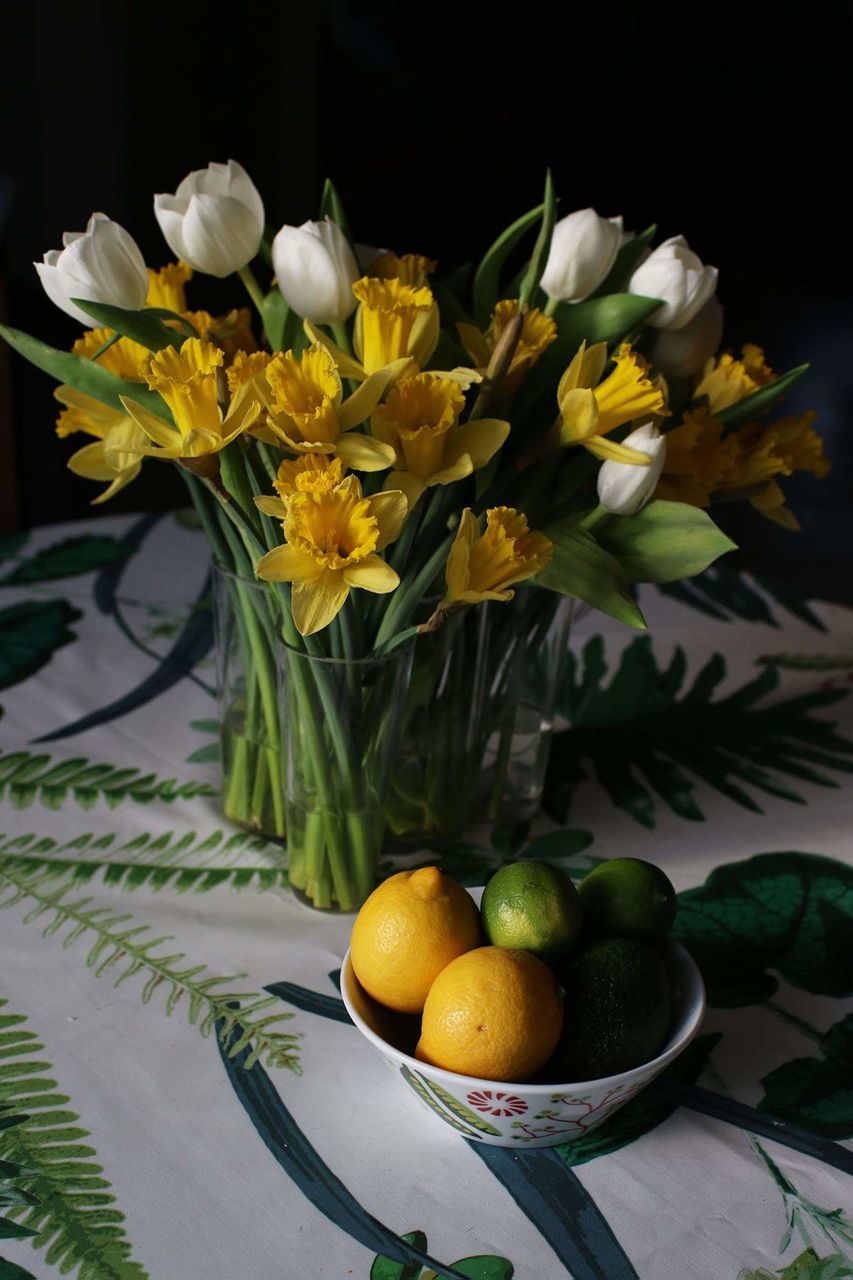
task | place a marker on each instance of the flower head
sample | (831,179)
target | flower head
(315,269)
(215,219)
(411,268)
(677,276)
(420,422)
(538,331)
(483,566)
(583,249)
(309,473)
(101,264)
(393,320)
(333,541)
(232,331)
(727,380)
(625,487)
(190,383)
(590,408)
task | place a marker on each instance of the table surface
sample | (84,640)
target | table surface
(137,921)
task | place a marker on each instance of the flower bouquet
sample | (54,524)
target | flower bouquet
(381,448)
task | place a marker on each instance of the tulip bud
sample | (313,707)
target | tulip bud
(316,269)
(625,487)
(681,353)
(583,249)
(215,219)
(100,264)
(676,275)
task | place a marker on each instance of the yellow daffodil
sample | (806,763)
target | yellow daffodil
(232,332)
(116,459)
(538,331)
(332,546)
(167,287)
(420,422)
(726,380)
(698,456)
(704,465)
(189,382)
(411,268)
(305,408)
(393,320)
(309,473)
(590,408)
(124,358)
(483,566)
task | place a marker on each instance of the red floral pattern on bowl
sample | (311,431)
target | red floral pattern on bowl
(495,1103)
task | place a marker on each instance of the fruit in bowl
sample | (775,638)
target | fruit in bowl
(507,1048)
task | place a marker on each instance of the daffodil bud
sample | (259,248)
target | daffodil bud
(677,276)
(215,219)
(583,249)
(100,264)
(681,353)
(625,487)
(316,269)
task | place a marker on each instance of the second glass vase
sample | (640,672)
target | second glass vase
(340,732)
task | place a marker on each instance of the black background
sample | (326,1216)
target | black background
(729,124)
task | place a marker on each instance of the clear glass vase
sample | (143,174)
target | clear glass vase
(340,732)
(434,782)
(246,637)
(525,641)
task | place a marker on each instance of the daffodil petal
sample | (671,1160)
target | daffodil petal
(314,604)
(585,369)
(271,506)
(287,564)
(456,571)
(155,428)
(424,336)
(474,343)
(390,509)
(364,400)
(614,452)
(363,453)
(347,366)
(198,443)
(461,375)
(579,413)
(458,470)
(372,574)
(480,439)
(409,484)
(90,463)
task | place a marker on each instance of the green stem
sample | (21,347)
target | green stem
(339,333)
(405,598)
(551,306)
(252,288)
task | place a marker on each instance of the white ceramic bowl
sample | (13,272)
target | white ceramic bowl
(529,1115)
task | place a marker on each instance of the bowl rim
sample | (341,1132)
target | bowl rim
(681,1036)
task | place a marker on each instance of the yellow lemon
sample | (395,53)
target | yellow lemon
(495,1013)
(408,930)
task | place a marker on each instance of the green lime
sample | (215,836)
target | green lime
(627,898)
(534,907)
(617,1010)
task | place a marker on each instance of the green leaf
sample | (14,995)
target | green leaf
(332,207)
(608,319)
(663,542)
(30,634)
(542,248)
(642,1113)
(386,1269)
(14,1231)
(645,738)
(627,260)
(785,913)
(761,400)
(816,1092)
(487,279)
(66,559)
(276,315)
(140,326)
(84,375)
(580,567)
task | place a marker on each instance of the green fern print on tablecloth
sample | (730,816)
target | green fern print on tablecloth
(27,778)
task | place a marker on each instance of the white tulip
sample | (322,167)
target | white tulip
(100,264)
(583,249)
(215,219)
(625,487)
(316,269)
(681,353)
(676,275)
